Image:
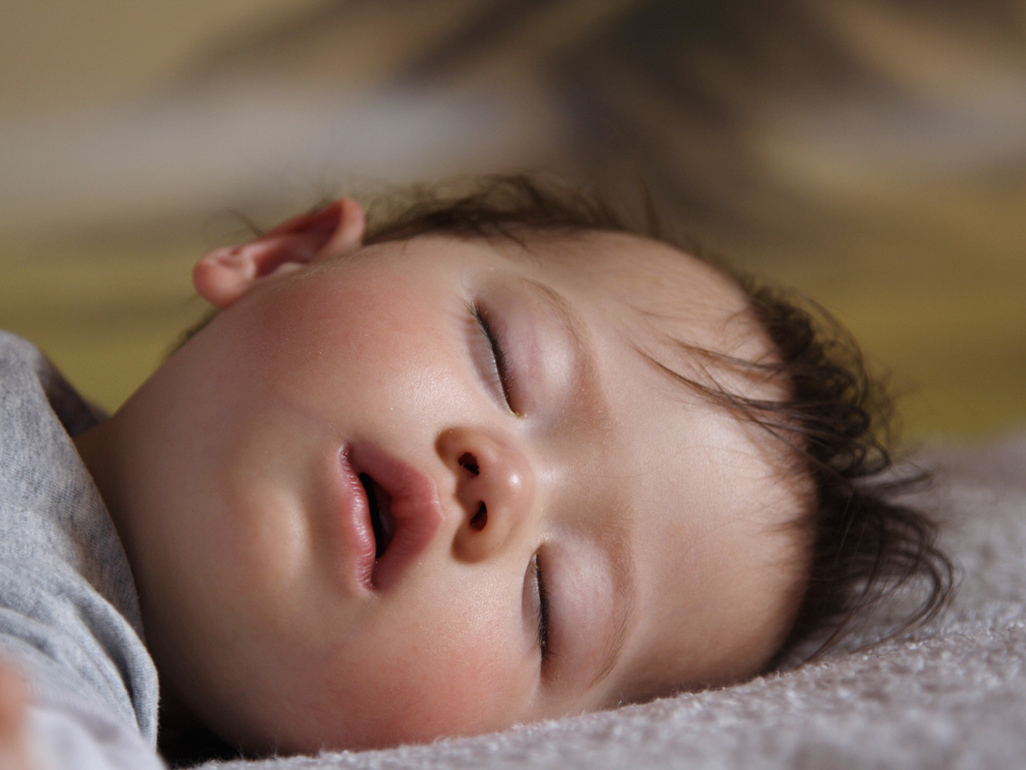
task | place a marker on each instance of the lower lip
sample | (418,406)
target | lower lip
(358,532)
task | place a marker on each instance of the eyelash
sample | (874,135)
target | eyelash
(498,354)
(543,610)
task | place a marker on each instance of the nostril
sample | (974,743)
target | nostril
(468,461)
(477,523)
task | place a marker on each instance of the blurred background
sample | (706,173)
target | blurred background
(871,153)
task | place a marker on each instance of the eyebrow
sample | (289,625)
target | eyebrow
(616,543)
(569,318)
(572,324)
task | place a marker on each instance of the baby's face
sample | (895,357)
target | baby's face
(568,529)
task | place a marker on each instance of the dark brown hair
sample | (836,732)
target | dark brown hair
(866,544)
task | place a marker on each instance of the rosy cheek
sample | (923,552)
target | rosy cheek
(418,368)
(465,684)
(423,705)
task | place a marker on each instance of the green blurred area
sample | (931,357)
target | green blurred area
(931,280)
(107,316)
(952,344)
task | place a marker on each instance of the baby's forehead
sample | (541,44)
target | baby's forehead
(669,303)
(651,274)
(690,339)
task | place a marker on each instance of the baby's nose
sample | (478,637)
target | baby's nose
(495,488)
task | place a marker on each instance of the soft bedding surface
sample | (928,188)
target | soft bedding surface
(950,695)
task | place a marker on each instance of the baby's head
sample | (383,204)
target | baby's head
(494,461)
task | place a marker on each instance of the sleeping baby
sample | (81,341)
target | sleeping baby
(491,459)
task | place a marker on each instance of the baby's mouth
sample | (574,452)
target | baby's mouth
(382,521)
(402,507)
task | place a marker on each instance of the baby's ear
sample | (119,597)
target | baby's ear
(226,274)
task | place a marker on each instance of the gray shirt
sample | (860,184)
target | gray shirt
(69,611)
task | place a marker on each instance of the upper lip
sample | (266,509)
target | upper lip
(413,504)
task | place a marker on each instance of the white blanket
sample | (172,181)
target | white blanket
(950,695)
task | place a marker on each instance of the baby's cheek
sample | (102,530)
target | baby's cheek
(432,687)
